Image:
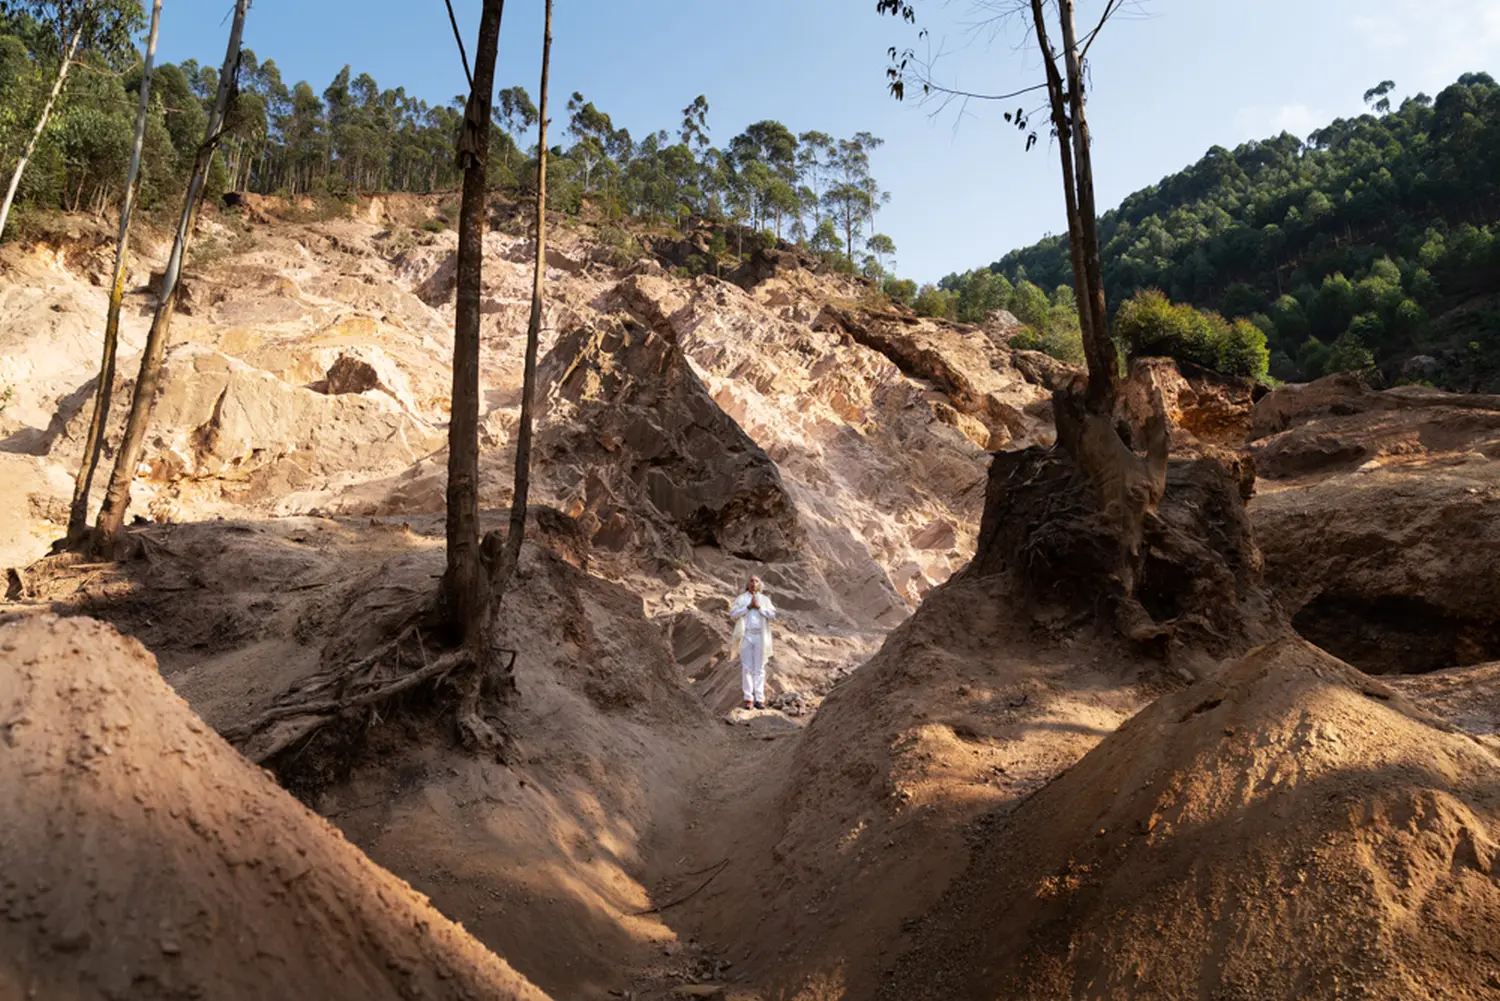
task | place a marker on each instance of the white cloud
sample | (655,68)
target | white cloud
(1296,118)
(1439,38)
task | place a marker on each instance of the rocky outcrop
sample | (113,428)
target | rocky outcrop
(1392,569)
(1211,408)
(976,375)
(648,444)
(1377,524)
(1338,424)
(225,433)
(871,456)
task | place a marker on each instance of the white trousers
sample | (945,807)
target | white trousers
(753,667)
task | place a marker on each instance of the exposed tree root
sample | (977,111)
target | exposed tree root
(338,693)
(1185,583)
(713,872)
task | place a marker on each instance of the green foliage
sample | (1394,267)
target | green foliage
(933,301)
(1026,340)
(625,250)
(1150,324)
(1393,215)
(901,290)
(1242,350)
(355,137)
(1348,354)
(434,225)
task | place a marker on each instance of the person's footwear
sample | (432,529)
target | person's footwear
(760,705)
(749,704)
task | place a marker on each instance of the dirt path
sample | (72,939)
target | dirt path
(729,825)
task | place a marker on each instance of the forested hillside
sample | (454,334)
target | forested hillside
(356,136)
(1375,241)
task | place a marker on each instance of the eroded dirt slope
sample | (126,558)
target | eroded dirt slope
(1289,829)
(142,857)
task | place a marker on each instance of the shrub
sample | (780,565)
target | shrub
(1242,350)
(1026,340)
(1349,354)
(1064,344)
(625,250)
(901,290)
(933,301)
(1150,324)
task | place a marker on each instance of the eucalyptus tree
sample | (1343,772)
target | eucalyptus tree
(104,389)
(106,535)
(79,26)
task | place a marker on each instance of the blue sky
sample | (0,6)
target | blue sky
(1190,75)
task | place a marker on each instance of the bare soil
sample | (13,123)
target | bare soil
(142,857)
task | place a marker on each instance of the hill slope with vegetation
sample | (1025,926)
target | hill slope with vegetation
(357,137)
(1372,243)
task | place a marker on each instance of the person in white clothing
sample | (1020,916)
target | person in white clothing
(752,613)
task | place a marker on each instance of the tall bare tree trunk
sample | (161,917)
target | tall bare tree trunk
(465,594)
(41,126)
(1098,349)
(78,513)
(117,499)
(517,530)
(1128,486)
(1104,374)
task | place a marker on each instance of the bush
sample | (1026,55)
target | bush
(1348,354)
(1242,350)
(434,225)
(1150,324)
(1026,340)
(625,250)
(933,301)
(901,290)
(1064,344)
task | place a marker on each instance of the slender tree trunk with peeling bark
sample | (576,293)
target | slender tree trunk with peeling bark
(78,513)
(465,591)
(511,555)
(1066,104)
(41,126)
(111,522)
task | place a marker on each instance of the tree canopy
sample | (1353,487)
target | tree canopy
(1379,233)
(357,136)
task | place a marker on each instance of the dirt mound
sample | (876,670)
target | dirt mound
(142,857)
(1290,829)
(838,839)
(539,857)
(1467,697)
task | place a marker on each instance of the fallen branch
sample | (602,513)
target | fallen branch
(685,897)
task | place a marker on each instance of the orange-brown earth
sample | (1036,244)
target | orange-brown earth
(927,824)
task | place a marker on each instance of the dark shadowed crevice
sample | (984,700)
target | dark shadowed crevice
(1395,634)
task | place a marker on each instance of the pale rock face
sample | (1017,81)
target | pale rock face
(231,434)
(313,374)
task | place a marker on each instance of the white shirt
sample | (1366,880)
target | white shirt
(755,618)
